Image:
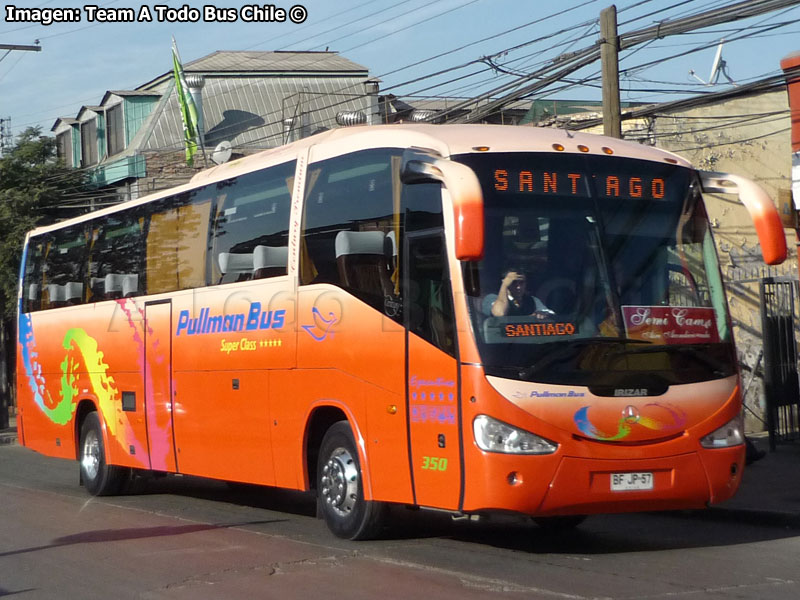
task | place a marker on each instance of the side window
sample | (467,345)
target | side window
(177,243)
(428,297)
(350,216)
(421,207)
(116,257)
(63,267)
(251,225)
(32,287)
(356,216)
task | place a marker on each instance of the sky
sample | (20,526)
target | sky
(432,48)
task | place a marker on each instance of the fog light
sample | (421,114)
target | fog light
(514,478)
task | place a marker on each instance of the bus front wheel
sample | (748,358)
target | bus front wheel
(98,477)
(340,487)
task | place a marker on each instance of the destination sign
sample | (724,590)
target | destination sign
(565,183)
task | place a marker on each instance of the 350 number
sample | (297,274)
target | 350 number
(433,463)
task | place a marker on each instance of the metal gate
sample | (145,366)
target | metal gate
(781,389)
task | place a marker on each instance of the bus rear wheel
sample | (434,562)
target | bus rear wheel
(98,477)
(340,488)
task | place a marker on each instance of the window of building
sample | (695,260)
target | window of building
(88,143)
(115,130)
(64,147)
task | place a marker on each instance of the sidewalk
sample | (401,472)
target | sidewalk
(9,436)
(770,490)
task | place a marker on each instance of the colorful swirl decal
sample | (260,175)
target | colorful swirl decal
(654,416)
(58,412)
(82,359)
(158,431)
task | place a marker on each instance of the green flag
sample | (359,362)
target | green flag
(186,103)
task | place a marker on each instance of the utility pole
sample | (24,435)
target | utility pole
(5,135)
(609,57)
(493,100)
(4,122)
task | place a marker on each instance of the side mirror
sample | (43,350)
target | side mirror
(762,211)
(465,191)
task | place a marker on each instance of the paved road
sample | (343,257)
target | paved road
(178,538)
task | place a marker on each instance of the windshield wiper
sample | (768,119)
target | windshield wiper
(570,347)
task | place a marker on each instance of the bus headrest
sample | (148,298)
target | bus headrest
(359,242)
(270,256)
(232,262)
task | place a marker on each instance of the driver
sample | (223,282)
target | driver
(513,300)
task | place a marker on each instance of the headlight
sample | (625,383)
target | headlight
(730,434)
(495,436)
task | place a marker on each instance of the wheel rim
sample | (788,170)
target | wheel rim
(90,461)
(340,482)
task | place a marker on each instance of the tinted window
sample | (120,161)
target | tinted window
(32,285)
(349,214)
(251,233)
(177,243)
(356,215)
(429,299)
(62,281)
(116,256)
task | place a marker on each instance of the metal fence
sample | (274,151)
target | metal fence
(781,389)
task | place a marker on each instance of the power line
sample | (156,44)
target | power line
(581,58)
(443,71)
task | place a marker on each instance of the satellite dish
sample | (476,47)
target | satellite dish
(718,66)
(222,153)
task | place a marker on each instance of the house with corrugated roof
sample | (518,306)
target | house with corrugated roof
(132,142)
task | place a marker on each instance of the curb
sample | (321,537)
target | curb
(7,439)
(775,518)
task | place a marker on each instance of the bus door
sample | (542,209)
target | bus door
(432,385)
(158,385)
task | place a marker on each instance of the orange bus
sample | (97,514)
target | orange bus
(469,318)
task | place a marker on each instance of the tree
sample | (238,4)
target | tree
(33,184)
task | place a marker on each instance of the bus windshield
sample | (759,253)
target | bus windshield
(598,271)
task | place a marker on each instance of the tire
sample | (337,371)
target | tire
(98,477)
(340,488)
(559,524)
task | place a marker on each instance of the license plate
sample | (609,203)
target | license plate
(623,482)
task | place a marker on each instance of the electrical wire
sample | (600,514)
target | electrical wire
(467,45)
(473,74)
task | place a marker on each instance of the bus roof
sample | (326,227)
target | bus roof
(447,140)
